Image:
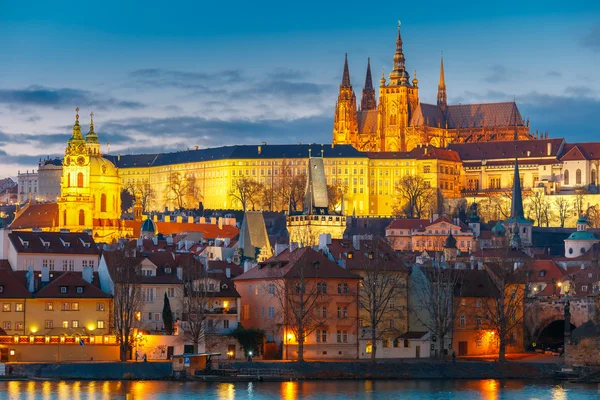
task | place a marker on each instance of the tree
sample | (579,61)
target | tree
(144,191)
(167,315)
(384,277)
(247,191)
(539,207)
(563,208)
(414,196)
(504,312)
(183,190)
(578,202)
(432,300)
(125,272)
(335,193)
(126,200)
(196,300)
(300,291)
(250,339)
(193,194)
(495,207)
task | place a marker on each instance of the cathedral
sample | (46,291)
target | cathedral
(400,122)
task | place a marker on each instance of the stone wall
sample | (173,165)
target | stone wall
(585,352)
(96,370)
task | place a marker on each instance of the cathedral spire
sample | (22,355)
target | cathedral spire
(346,76)
(368,101)
(441,96)
(516,209)
(91,136)
(76,127)
(399,75)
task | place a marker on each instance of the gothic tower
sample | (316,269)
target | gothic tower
(92,143)
(368,101)
(345,123)
(441,95)
(397,99)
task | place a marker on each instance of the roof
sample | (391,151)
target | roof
(36,216)
(428,115)
(235,152)
(538,149)
(57,243)
(343,249)
(367,121)
(253,234)
(209,231)
(408,224)
(289,264)
(12,287)
(418,153)
(148,226)
(581,151)
(72,280)
(582,235)
(544,270)
(476,283)
(487,115)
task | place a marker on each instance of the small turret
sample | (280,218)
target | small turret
(441,96)
(91,138)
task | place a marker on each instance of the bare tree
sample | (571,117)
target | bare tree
(145,191)
(193,193)
(414,196)
(504,312)
(196,299)
(182,190)
(301,292)
(578,202)
(432,300)
(381,291)
(247,191)
(539,207)
(125,271)
(563,208)
(335,193)
(289,188)
(495,207)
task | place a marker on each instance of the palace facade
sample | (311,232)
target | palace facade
(401,122)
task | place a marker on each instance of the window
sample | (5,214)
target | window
(18,326)
(578,177)
(170,292)
(100,324)
(49,307)
(79,289)
(49,324)
(65,324)
(271,288)
(566,177)
(156,317)
(66,307)
(478,303)
(342,288)
(387,343)
(81,217)
(321,287)
(478,321)
(102,202)
(100,307)
(271,312)
(74,306)
(478,342)
(226,323)
(249,289)
(148,294)
(6,307)
(342,312)
(426,169)
(74,324)
(322,312)
(584,288)
(262,312)
(246,311)
(211,324)
(19,307)
(6,325)
(463,302)
(463,321)
(321,336)
(342,336)
(80,180)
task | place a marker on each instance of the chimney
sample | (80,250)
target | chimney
(549,147)
(202,220)
(140,242)
(190,220)
(259,150)
(179,273)
(220,222)
(228,272)
(247,266)
(30,279)
(169,240)
(45,274)
(356,242)
(118,157)
(279,248)
(293,246)
(213,220)
(155,240)
(167,218)
(179,219)
(87,273)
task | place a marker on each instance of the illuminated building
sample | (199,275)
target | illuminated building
(400,122)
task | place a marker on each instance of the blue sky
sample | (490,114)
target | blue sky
(168,76)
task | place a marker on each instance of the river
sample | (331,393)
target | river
(315,390)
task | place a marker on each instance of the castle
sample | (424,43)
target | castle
(400,122)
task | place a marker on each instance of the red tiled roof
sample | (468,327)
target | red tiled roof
(210,231)
(581,151)
(36,216)
(12,287)
(506,149)
(408,224)
(72,280)
(367,121)
(35,242)
(288,265)
(359,259)
(544,270)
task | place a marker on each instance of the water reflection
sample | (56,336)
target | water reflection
(489,389)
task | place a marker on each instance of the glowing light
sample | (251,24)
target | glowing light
(290,336)
(226,304)
(493,333)
(12,352)
(34,329)
(250,353)
(559,284)
(91,327)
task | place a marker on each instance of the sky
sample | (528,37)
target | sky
(163,76)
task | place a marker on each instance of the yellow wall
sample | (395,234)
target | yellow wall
(87,316)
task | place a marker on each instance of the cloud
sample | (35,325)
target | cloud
(42,96)
(592,39)
(287,74)
(554,74)
(161,78)
(578,91)
(498,73)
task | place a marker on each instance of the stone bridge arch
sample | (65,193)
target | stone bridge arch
(539,314)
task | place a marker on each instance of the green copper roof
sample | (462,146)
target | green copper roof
(582,235)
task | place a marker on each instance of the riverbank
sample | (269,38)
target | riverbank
(291,370)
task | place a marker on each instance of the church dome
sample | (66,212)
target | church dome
(148,227)
(450,242)
(100,166)
(582,235)
(499,229)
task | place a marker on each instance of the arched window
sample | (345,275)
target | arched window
(65,217)
(566,179)
(578,177)
(68,180)
(80,179)
(81,217)
(102,202)
(593,177)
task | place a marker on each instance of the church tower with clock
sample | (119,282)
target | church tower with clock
(90,188)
